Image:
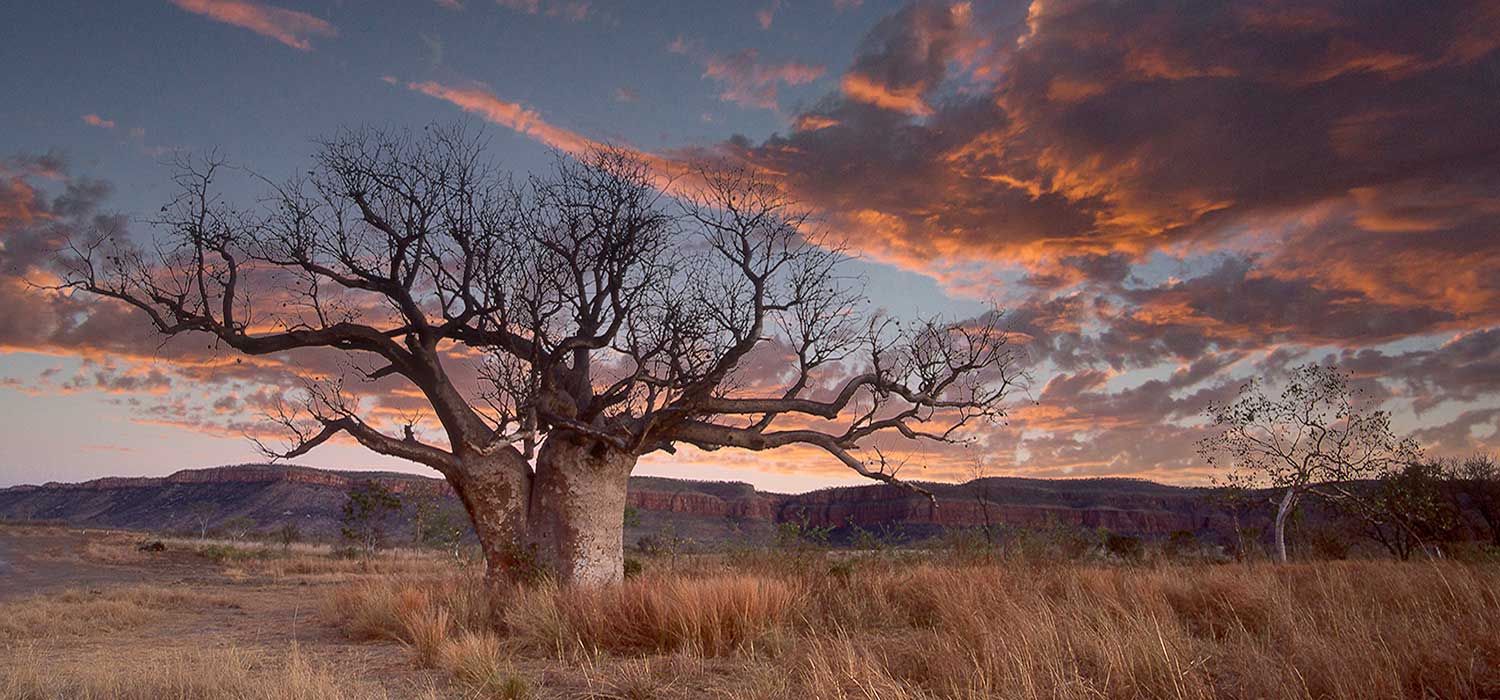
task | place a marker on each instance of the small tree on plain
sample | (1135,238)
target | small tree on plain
(606,318)
(1474,486)
(201,513)
(979,470)
(1408,510)
(1310,439)
(238,529)
(288,534)
(365,510)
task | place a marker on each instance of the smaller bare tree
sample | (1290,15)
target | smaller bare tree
(1310,440)
(979,485)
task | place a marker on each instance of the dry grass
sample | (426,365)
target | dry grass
(706,617)
(76,613)
(212,674)
(902,630)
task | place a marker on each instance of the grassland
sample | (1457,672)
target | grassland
(768,625)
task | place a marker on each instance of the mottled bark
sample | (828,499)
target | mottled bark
(495,490)
(578,507)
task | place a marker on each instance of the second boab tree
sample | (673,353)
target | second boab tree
(558,328)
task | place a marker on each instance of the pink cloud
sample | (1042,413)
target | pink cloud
(750,83)
(767,15)
(683,45)
(289,27)
(98,121)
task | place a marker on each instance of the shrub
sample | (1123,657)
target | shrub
(1125,547)
(1181,543)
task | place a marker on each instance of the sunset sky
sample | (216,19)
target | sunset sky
(1167,198)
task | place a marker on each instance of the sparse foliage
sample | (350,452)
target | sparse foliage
(1408,509)
(288,534)
(1310,439)
(238,528)
(366,508)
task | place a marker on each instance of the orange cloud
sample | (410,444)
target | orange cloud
(476,99)
(97,121)
(814,122)
(289,27)
(863,89)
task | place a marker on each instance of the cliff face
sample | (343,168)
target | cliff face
(269,495)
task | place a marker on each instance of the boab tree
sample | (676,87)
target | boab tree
(608,318)
(1312,439)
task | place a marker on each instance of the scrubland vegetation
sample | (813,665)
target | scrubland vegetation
(889,628)
(1037,616)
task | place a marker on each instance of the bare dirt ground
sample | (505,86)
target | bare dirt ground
(255,615)
(41,559)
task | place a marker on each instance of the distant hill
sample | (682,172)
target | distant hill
(705,512)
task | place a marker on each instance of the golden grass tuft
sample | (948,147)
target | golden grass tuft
(478,661)
(900,629)
(706,617)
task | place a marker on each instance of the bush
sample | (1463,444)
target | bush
(802,535)
(1330,546)
(1181,543)
(1125,547)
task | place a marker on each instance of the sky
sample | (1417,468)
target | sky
(1168,199)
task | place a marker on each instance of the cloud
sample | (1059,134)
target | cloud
(625,94)
(435,48)
(97,121)
(905,57)
(958,135)
(1168,199)
(290,27)
(477,99)
(571,10)
(683,46)
(1169,185)
(749,82)
(766,15)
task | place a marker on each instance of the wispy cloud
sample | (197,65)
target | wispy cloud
(476,99)
(571,10)
(767,14)
(749,82)
(98,121)
(682,45)
(290,27)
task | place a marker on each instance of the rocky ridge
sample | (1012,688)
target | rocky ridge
(704,511)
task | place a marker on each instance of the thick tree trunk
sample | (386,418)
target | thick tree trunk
(578,508)
(495,491)
(1288,502)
